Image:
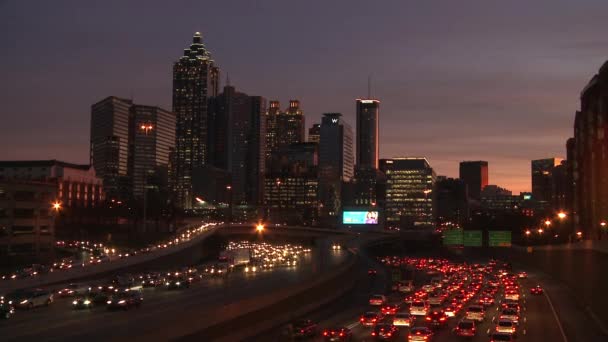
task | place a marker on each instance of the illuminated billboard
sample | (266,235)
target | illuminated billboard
(360,217)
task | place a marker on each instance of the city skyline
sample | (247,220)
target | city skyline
(542,79)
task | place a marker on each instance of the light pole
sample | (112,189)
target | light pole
(229,190)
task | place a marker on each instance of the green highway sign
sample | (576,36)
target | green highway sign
(472,238)
(453,237)
(500,238)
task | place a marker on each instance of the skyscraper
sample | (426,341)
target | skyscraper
(239,147)
(409,192)
(283,128)
(152,137)
(336,161)
(475,176)
(367,133)
(314,133)
(109,144)
(195,80)
(542,179)
(452,202)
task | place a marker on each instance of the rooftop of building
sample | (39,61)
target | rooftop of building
(42,163)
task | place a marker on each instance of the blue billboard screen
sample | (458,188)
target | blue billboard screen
(360,217)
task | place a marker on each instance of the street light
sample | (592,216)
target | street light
(562,215)
(547,223)
(528,232)
(57,206)
(540,230)
(259,228)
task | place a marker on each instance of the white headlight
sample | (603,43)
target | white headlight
(178,283)
(109,302)
(121,302)
(87,302)
(23,301)
(75,302)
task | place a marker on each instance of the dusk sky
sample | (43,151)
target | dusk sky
(458,80)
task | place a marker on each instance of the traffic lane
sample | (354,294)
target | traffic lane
(210,292)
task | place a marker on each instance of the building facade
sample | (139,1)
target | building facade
(195,80)
(109,144)
(283,128)
(475,177)
(409,192)
(336,162)
(452,203)
(367,133)
(152,138)
(542,179)
(314,133)
(27,219)
(590,157)
(76,186)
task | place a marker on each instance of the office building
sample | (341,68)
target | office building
(75,186)
(590,158)
(560,186)
(283,128)
(195,80)
(367,133)
(152,138)
(314,133)
(542,179)
(336,161)
(239,122)
(475,177)
(452,202)
(492,190)
(27,219)
(291,185)
(109,144)
(409,192)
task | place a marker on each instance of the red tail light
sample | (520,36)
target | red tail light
(389,334)
(325,333)
(373,333)
(428,318)
(362,319)
(442,319)
(341,334)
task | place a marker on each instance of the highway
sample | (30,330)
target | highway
(538,321)
(60,322)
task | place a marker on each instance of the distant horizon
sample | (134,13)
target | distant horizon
(456,81)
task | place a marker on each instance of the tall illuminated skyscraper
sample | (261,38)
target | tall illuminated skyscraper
(195,80)
(367,133)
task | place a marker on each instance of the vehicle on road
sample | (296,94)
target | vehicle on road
(475,313)
(372,272)
(505,326)
(6,310)
(407,286)
(385,331)
(403,319)
(337,334)
(419,308)
(370,318)
(305,328)
(465,328)
(522,275)
(536,290)
(175,283)
(377,300)
(420,334)
(436,318)
(125,300)
(29,299)
(80,303)
(389,309)
(510,314)
(74,290)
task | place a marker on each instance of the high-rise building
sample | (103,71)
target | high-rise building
(590,158)
(542,179)
(314,133)
(109,144)
(336,161)
(283,128)
(452,202)
(367,133)
(409,192)
(239,123)
(152,138)
(195,80)
(475,176)
(560,186)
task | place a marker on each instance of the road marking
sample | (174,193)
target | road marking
(559,324)
(352,325)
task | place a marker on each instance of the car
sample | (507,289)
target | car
(370,318)
(389,309)
(407,286)
(536,290)
(29,299)
(486,301)
(6,310)
(125,300)
(173,283)
(465,328)
(522,275)
(403,319)
(451,310)
(420,334)
(500,337)
(512,305)
(85,302)
(505,326)
(510,314)
(74,290)
(377,300)
(512,294)
(304,328)
(337,334)
(419,308)
(372,272)
(475,313)
(436,318)
(385,331)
